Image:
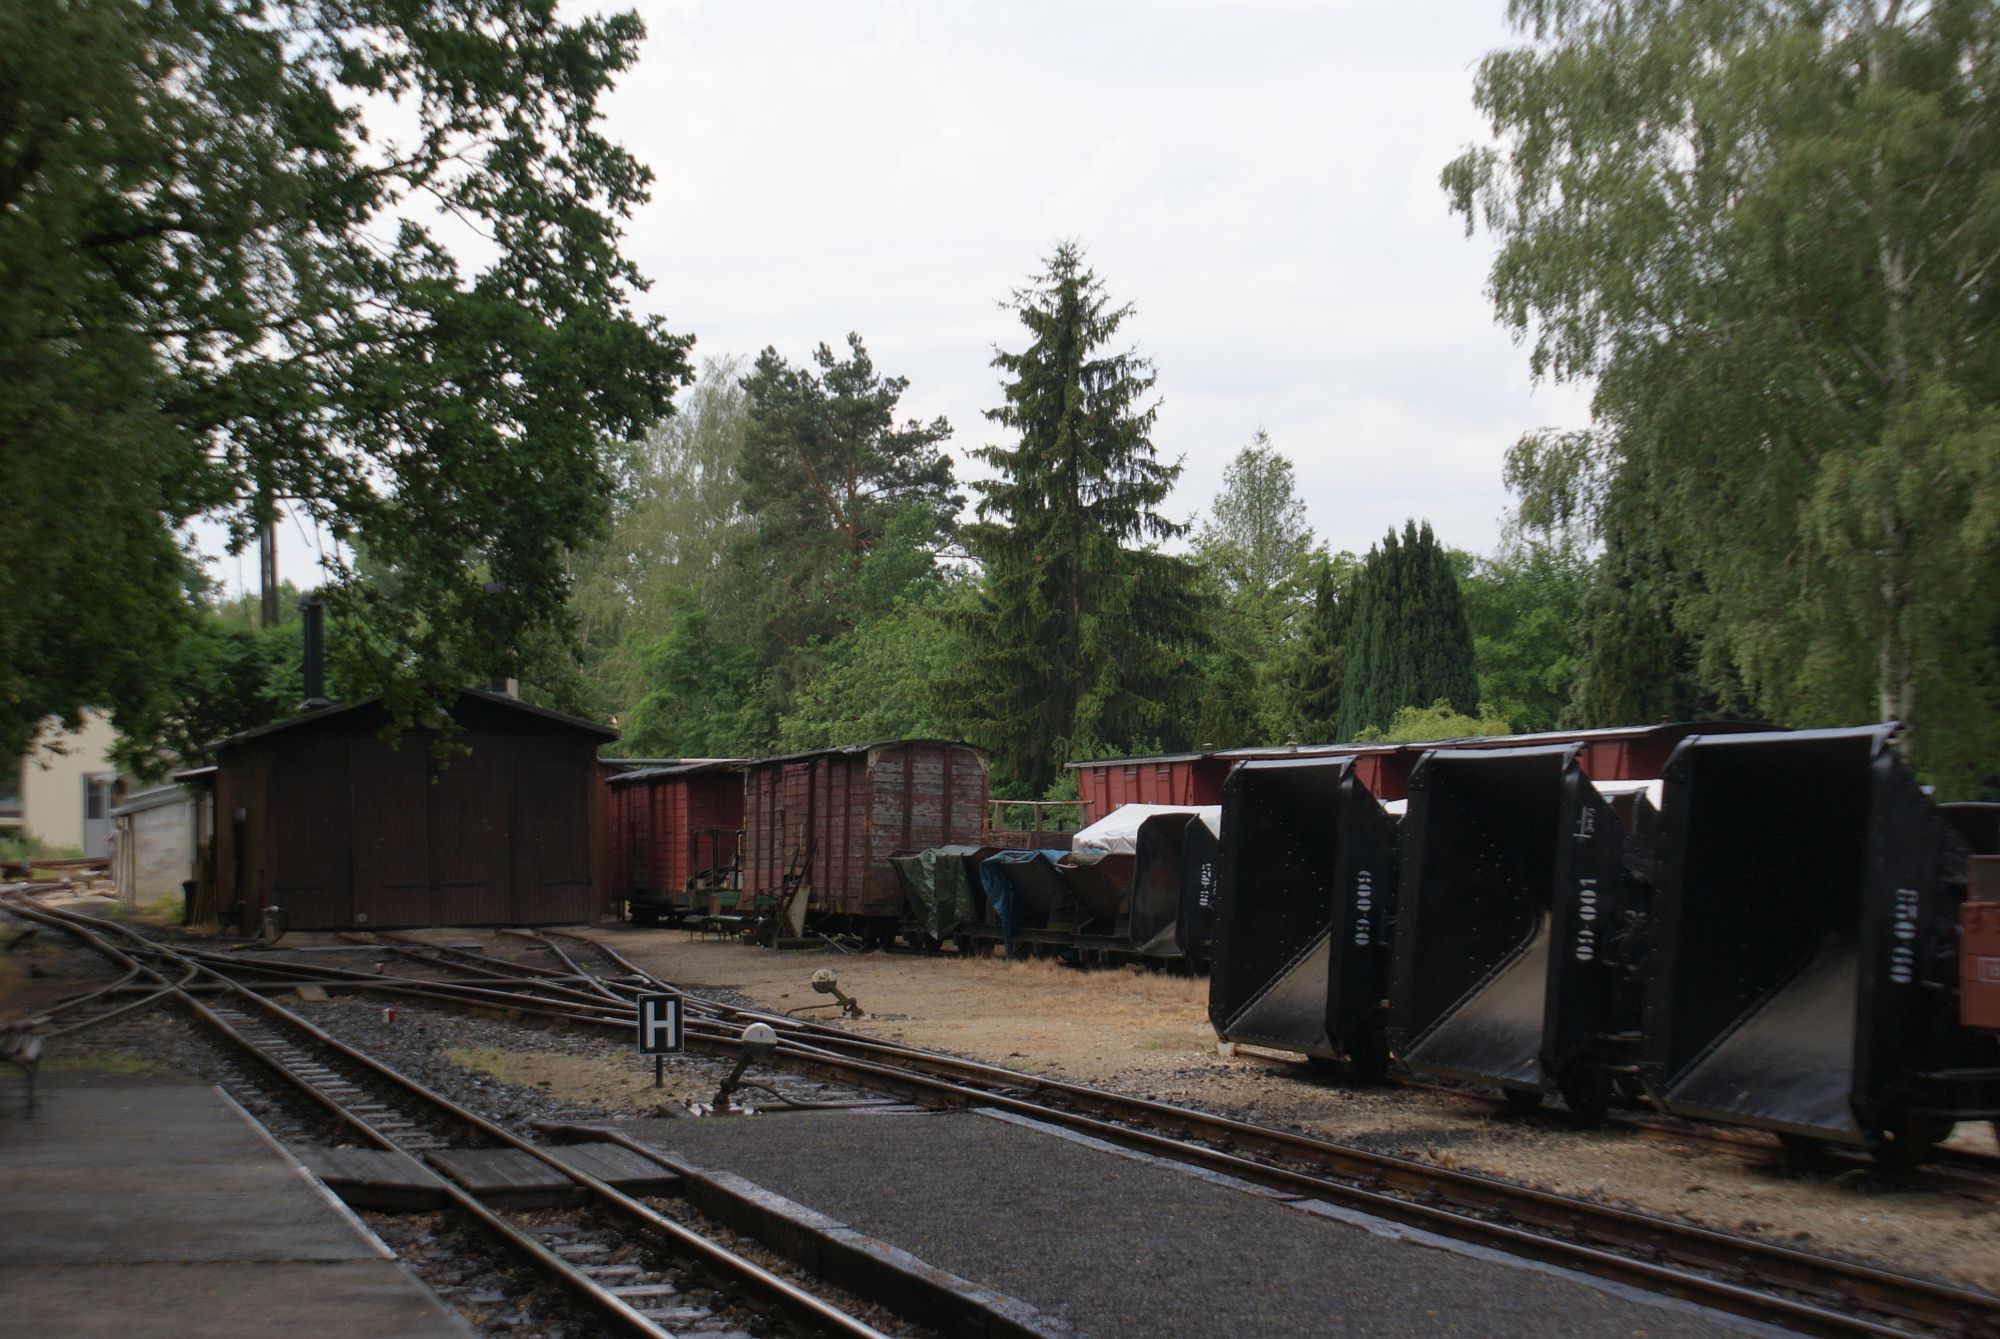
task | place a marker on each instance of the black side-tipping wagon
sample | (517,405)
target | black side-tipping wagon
(1308,880)
(1201,882)
(1519,925)
(1159,875)
(1805,977)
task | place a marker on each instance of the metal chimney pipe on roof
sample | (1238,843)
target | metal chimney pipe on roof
(501,682)
(315,653)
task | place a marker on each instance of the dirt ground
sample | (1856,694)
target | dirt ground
(1147,1033)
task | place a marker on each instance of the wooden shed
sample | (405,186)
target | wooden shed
(835,816)
(321,816)
(670,822)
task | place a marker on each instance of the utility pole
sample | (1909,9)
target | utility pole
(267,572)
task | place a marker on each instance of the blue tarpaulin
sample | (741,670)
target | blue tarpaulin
(1010,901)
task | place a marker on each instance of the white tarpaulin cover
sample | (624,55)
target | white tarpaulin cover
(1118,831)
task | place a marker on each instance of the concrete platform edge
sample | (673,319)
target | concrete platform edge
(352,1219)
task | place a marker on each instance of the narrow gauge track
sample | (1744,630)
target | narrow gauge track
(131,992)
(1806,1292)
(1974,1170)
(609,998)
(685,1279)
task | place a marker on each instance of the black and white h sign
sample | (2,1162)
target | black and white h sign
(659,1024)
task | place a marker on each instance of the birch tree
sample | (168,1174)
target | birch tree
(1768,231)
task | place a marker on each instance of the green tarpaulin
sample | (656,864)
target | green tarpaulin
(937,892)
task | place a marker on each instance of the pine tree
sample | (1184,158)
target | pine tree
(844,505)
(1321,668)
(1408,643)
(1086,636)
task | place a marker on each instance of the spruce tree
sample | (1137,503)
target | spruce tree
(1321,668)
(1086,629)
(1408,644)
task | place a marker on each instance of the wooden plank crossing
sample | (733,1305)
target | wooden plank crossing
(371,1178)
(507,1176)
(634,1173)
(375,1178)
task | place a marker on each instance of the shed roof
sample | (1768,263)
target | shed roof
(155,798)
(501,700)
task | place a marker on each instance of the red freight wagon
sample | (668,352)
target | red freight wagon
(1620,753)
(833,817)
(1188,780)
(670,823)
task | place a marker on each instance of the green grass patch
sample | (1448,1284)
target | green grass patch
(486,1060)
(166,907)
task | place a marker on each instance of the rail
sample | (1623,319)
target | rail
(1807,1292)
(255,1033)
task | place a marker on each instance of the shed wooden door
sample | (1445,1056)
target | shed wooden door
(471,833)
(309,834)
(391,795)
(552,834)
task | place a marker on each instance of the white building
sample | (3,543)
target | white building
(66,788)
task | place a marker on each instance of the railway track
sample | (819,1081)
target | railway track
(1799,1290)
(639,1271)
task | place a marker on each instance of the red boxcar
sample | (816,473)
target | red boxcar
(1620,753)
(669,823)
(834,816)
(1187,779)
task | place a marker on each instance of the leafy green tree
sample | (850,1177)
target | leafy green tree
(1636,661)
(1257,554)
(1768,231)
(1524,606)
(829,475)
(221,285)
(890,678)
(707,698)
(1087,631)
(675,514)
(1407,639)
(1257,534)
(1418,725)
(228,674)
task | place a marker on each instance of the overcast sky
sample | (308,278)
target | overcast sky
(1258,179)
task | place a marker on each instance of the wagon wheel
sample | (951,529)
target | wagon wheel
(1370,1060)
(1908,1139)
(1587,1092)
